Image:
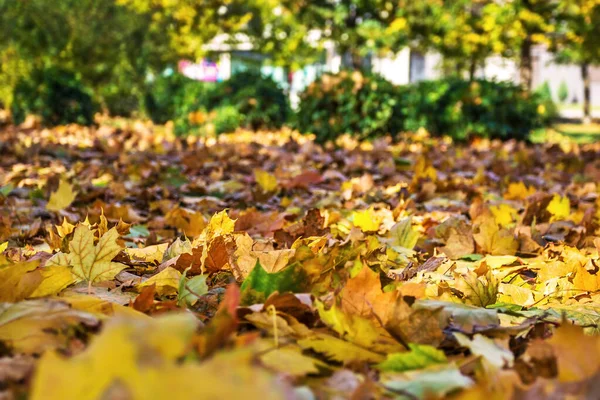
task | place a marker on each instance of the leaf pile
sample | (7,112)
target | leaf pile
(263,265)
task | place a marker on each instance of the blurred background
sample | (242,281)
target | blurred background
(492,68)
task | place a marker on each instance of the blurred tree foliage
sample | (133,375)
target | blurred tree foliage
(577,40)
(535,23)
(99,40)
(356,28)
(464,32)
(112,45)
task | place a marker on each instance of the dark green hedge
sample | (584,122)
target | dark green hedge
(463,109)
(349,102)
(56,95)
(368,106)
(247,100)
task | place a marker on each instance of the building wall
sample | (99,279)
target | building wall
(546,70)
(394,68)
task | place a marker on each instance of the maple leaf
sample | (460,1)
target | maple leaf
(559,207)
(495,355)
(219,224)
(494,240)
(191,289)
(419,356)
(361,331)
(518,191)
(142,358)
(429,383)
(480,291)
(266,181)
(91,263)
(367,220)
(504,215)
(62,198)
(339,350)
(362,295)
(403,235)
(289,360)
(152,254)
(260,284)
(31,326)
(166,281)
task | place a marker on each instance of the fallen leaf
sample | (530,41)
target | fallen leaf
(166,282)
(494,240)
(62,198)
(140,359)
(91,263)
(363,296)
(429,384)
(266,181)
(420,356)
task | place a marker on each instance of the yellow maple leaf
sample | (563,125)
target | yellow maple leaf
(514,294)
(367,220)
(518,191)
(559,207)
(577,354)
(584,280)
(492,239)
(358,330)
(166,281)
(151,254)
(266,181)
(54,280)
(89,262)
(504,215)
(338,349)
(62,198)
(219,224)
(18,281)
(143,358)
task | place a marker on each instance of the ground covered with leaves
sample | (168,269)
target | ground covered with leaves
(263,266)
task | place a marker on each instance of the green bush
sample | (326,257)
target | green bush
(248,98)
(462,109)
(120,100)
(227,119)
(164,97)
(349,102)
(563,92)
(259,99)
(369,106)
(543,98)
(55,94)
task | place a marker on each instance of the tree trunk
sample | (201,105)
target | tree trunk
(526,67)
(472,69)
(585,75)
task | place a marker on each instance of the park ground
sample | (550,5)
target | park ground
(414,268)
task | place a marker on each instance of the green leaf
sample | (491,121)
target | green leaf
(260,284)
(6,189)
(429,383)
(403,235)
(138,231)
(191,289)
(472,257)
(419,356)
